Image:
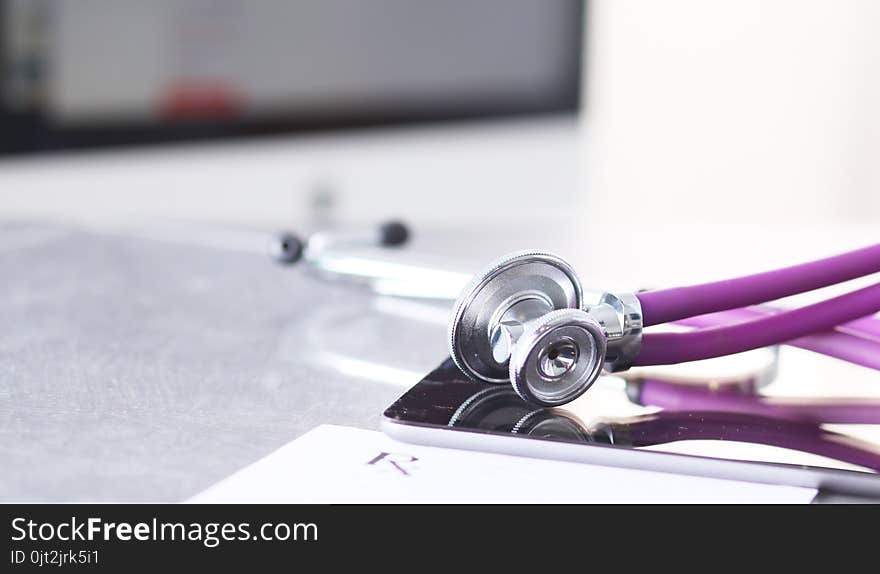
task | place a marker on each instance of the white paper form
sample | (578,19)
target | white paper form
(335,464)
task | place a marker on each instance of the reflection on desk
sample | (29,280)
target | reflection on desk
(727,421)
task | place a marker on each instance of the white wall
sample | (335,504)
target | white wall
(462,172)
(738,110)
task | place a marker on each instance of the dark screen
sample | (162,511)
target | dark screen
(85,73)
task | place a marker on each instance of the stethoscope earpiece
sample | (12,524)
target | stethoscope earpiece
(393,233)
(287,248)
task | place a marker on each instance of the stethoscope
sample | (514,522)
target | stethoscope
(524,319)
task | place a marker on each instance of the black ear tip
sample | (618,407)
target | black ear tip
(394,233)
(287,248)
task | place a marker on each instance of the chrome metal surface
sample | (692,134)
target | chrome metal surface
(500,302)
(510,321)
(405,275)
(621,318)
(558,357)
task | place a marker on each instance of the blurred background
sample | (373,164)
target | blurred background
(94,73)
(263,113)
(301,101)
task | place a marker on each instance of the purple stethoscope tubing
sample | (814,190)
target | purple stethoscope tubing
(673,304)
(856,342)
(867,328)
(839,327)
(671,348)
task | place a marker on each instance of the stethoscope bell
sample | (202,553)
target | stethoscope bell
(558,357)
(522,321)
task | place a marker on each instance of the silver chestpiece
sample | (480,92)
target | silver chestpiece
(523,320)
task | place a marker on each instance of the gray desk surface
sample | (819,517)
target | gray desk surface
(142,370)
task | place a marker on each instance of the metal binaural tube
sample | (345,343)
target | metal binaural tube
(358,256)
(398,277)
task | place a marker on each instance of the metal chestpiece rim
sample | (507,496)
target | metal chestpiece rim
(522,320)
(558,357)
(524,275)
